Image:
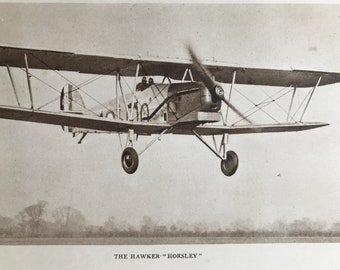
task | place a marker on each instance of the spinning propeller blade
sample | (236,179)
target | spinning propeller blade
(202,72)
(215,89)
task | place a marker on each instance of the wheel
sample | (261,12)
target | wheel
(230,164)
(130,160)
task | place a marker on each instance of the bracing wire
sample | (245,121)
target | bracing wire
(259,106)
(77,87)
(279,105)
(54,89)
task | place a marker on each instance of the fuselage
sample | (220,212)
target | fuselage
(161,103)
(185,105)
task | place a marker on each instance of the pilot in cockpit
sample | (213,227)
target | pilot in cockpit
(142,85)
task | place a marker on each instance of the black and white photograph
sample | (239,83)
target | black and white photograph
(158,134)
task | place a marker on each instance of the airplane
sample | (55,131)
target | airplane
(175,105)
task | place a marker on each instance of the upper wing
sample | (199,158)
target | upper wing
(111,125)
(110,64)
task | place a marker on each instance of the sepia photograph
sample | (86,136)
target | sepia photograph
(179,132)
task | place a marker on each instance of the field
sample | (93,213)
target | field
(164,240)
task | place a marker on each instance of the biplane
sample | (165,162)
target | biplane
(187,101)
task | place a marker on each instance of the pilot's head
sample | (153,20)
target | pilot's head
(150,81)
(144,81)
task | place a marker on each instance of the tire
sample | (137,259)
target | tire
(130,160)
(230,164)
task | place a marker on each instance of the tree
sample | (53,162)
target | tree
(280,226)
(173,230)
(6,225)
(22,221)
(160,231)
(111,224)
(199,228)
(335,227)
(147,226)
(182,226)
(30,219)
(68,220)
(243,225)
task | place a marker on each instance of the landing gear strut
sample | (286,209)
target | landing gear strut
(230,164)
(130,160)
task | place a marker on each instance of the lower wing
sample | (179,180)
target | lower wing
(101,124)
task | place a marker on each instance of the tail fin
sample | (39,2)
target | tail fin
(72,101)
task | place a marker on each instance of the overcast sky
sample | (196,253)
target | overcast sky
(281,176)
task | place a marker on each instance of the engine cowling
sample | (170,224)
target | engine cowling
(192,106)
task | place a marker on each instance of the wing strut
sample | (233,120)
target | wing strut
(310,97)
(291,104)
(134,93)
(185,74)
(117,95)
(229,98)
(29,82)
(13,85)
(123,95)
(225,138)
(187,70)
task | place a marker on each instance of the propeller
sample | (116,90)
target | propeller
(214,88)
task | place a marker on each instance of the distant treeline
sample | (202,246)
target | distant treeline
(70,222)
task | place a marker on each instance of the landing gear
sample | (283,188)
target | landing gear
(230,164)
(130,160)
